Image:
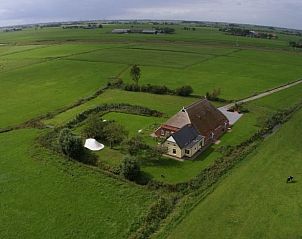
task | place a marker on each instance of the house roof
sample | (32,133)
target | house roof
(202,115)
(179,120)
(185,136)
(205,117)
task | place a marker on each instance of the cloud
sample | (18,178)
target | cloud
(264,12)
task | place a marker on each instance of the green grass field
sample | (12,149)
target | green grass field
(48,197)
(255,201)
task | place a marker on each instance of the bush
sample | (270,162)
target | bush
(115,83)
(132,87)
(130,168)
(114,133)
(184,90)
(213,95)
(156,152)
(239,107)
(70,144)
(135,145)
(94,128)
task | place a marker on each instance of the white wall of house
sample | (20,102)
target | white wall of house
(174,150)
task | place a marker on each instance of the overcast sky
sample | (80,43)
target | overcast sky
(285,13)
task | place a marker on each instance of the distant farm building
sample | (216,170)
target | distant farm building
(121,31)
(138,31)
(192,129)
(150,32)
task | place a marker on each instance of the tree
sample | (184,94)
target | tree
(94,128)
(70,144)
(136,144)
(156,152)
(130,168)
(115,133)
(184,90)
(135,73)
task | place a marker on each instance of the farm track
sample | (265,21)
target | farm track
(263,94)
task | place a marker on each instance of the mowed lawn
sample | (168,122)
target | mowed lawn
(134,124)
(255,201)
(49,197)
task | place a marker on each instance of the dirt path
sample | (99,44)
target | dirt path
(234,116)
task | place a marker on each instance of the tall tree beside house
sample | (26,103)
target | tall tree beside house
(135,73)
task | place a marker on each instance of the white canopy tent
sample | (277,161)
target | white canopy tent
(93,145)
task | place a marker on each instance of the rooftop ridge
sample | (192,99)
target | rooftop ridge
(194,103)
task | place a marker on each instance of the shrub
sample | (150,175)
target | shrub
(213,95)
(94,128)
(130,168)
(132,87)
(136,144)
(184,90)
(156,152)
(115,83)
(70,144)
(239,107)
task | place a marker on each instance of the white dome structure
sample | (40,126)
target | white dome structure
(93,145)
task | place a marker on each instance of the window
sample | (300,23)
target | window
(187,151)
(174,151)
(162,132)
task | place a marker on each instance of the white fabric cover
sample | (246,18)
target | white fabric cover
(93,145)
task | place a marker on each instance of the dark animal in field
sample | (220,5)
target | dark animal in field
(162,176)
(290,179)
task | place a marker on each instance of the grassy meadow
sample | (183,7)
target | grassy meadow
(46,70)
(43,195)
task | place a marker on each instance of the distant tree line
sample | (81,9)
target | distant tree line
(189,28)
(166,30)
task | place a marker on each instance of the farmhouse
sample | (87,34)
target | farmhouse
(192,129)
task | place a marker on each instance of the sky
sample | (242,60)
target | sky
(283,13)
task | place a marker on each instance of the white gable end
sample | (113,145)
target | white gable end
(171,139)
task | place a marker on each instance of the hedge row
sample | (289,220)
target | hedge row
(127,108)
(157,212)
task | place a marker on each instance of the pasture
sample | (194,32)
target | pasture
(254,201)
(46,196)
